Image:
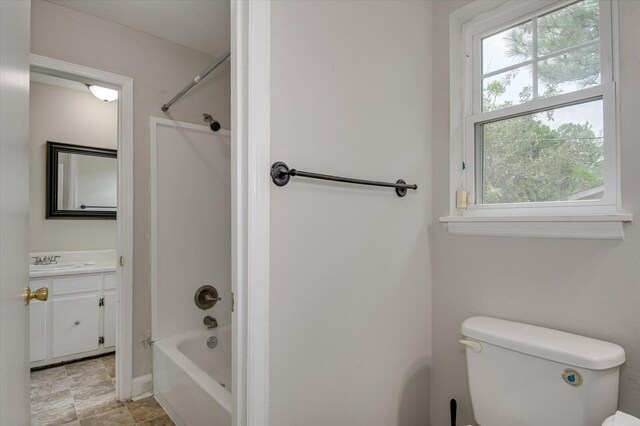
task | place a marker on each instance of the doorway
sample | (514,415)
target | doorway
(73,236)
(12,368)
(81,202)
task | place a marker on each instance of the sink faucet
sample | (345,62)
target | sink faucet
(210,322)
(45,260)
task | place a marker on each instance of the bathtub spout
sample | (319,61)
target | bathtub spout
(210,322)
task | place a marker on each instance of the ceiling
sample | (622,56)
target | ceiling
(203,25)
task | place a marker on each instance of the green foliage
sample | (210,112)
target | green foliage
(581,68)
(525,159)
(568,27)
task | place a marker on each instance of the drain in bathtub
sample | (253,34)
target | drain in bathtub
(212,342)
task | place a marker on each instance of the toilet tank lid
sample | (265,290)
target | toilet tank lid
(554,345)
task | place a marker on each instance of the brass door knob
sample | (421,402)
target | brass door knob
(41,294)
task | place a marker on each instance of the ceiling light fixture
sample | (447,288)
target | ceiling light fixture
(103,93)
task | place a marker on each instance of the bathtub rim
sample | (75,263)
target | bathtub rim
(169,347)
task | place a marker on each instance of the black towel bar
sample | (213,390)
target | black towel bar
(281,174)
(84,206)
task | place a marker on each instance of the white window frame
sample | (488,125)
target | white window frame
(468,26)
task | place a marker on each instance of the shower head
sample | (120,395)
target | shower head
(207,118)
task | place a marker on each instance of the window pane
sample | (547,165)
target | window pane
(569,72)
(510,47)
(572,25)
(555,155)
(506,89)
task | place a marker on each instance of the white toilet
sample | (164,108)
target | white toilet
(523,375)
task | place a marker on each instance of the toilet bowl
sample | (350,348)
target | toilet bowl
(621,419)
(521,374)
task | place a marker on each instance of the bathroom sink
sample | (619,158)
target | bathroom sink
(53,267)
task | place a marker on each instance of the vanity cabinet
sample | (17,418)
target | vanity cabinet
(109,333)
(38,323)
(77,321)
(76,325)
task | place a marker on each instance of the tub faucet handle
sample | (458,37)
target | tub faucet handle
(210,322)
(206,296)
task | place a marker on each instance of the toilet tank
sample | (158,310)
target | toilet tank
(520,374)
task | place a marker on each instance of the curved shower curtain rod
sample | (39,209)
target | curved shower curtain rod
(198,79)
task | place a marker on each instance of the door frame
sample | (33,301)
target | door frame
(250,201)
(124,268)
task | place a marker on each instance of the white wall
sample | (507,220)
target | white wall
(159,69)
(193,214)
(60,114)
(350,270)
(587,287)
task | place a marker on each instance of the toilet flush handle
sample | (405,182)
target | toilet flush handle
(475,346)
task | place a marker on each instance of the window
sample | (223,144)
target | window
(539,106)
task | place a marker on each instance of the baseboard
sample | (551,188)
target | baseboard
(142,387)
(169,410)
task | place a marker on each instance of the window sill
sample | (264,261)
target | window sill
(601,227)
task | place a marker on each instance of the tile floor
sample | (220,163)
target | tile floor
(83,393)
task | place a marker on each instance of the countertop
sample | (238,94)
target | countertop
(83,269)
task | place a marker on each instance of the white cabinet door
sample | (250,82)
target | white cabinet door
(109,320)
(76,325)
(38,331)
(110,281)
(38,324)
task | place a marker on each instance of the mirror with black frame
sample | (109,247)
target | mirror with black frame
(82,182)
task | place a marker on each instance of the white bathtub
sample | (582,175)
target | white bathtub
(193,382)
